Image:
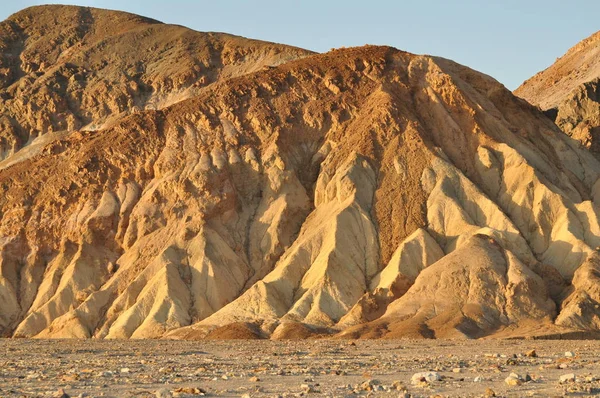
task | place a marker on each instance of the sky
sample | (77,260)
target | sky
(510,40)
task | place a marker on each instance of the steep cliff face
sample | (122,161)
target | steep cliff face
(569,92)
(366,192)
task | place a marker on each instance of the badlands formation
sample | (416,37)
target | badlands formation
(161,182)
(569,92)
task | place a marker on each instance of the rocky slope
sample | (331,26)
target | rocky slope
(366,192)
(65,68)
(569,92)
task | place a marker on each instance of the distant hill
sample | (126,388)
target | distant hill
(569,92)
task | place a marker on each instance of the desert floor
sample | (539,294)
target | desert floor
(31,368)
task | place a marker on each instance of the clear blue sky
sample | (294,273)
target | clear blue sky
(508,39)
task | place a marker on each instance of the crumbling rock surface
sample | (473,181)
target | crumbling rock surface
(569,92)
(365,192)
(70,68)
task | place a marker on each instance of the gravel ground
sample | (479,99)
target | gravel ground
(32,368)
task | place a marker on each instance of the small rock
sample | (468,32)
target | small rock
(569,354)
(167,369)
(478,379)
(254,379)
(370,385)
(398,385)
(511,381)
(531,354)
(125,370)
(457,370)
(489,392)
(568,378)
(111,268)
(428,377)
(190,391)
(307,388)
(514,380)
(69,378)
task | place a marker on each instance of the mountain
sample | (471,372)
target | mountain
(365,192)
(66,68)
(569,92)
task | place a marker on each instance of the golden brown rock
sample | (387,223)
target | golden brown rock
(67,68)
(569,92)
(366,191)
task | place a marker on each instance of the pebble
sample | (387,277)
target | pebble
(370,385)
(531,354)
(307,388)
(398,385)
(190,391)
(428,377)
(568,378)
(489,392)
(569,354)
(514,380)
(492,355)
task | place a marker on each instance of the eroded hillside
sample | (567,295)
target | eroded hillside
(65,68)
(569,92)
(365,192)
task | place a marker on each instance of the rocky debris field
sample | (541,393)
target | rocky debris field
(405,368)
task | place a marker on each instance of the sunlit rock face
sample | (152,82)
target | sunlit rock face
(569,92)
(261,191)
